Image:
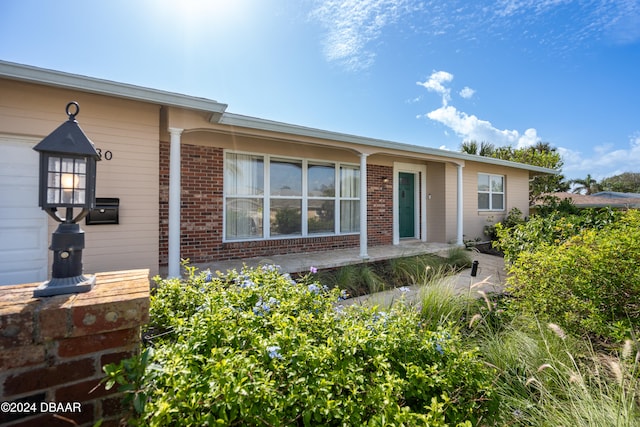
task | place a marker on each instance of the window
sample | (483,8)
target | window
(349,199)
(271,197)
(490,192)
(286,197)
(321,203)
(244,189)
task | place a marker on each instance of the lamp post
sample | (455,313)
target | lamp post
(67,180)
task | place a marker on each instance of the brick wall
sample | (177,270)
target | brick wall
(380,206)
(202,211)
(53,349)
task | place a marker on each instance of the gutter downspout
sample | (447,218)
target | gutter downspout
(174,203)
(460,206)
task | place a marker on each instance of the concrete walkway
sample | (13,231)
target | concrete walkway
(490,278)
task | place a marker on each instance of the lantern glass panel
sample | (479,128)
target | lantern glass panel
(67,165)
(54,164)
(53,196)
(78,197)
(81,166)
(66,180)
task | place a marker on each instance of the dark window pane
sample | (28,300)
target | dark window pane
(497,201)
(286,217)
(321,216)
(483,201)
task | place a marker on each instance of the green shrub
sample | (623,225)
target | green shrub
(590,284)
(256,348)
(513,218)
(551,229)
(553,205)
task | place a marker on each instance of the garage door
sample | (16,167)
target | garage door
(23,225)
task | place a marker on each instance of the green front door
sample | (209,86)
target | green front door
(406,205)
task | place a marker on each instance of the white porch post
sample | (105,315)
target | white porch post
(460,208)
(174,203)
(363,206)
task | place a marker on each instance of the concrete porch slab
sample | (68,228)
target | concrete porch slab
(302,262)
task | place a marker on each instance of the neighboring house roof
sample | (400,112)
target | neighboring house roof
(219,115)
(597,201)
(617,195)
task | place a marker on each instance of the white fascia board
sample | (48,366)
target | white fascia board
(54,78)
(238,120)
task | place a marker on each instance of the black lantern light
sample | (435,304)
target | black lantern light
(67,180)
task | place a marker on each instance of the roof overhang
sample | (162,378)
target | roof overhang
(218,115)
(370,145)
(26,73)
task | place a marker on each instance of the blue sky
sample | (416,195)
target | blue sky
(432,73)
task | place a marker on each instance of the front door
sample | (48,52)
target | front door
(406,204)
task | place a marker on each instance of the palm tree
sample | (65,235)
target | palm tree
(587,185)
(485,149)
(469,147)
(543,147)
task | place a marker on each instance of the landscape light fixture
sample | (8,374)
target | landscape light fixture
(67,180)
(474,268)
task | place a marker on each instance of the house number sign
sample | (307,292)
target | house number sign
(104,155)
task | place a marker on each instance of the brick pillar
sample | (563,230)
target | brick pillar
(52,349)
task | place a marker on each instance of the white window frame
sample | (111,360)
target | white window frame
(490,192)
(266,197)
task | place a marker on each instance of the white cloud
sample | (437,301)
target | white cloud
(528,138)
(467,92)
(352,24)
(604,161)
(468,126)
(435,84)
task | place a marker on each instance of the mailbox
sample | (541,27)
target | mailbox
(105,212)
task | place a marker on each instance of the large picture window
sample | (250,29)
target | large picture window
(490,192)
(274,197)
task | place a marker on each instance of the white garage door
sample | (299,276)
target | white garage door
(23,225)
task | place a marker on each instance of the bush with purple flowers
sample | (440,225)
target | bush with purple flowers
(285,353)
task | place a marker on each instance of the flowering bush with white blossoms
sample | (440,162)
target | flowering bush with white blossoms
(257,348)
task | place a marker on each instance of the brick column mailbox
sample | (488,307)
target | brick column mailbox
(52,350)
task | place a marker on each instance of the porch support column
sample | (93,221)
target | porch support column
(460,207)
(363,206)
(174,203)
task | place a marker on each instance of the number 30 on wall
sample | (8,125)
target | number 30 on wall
(104,155)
